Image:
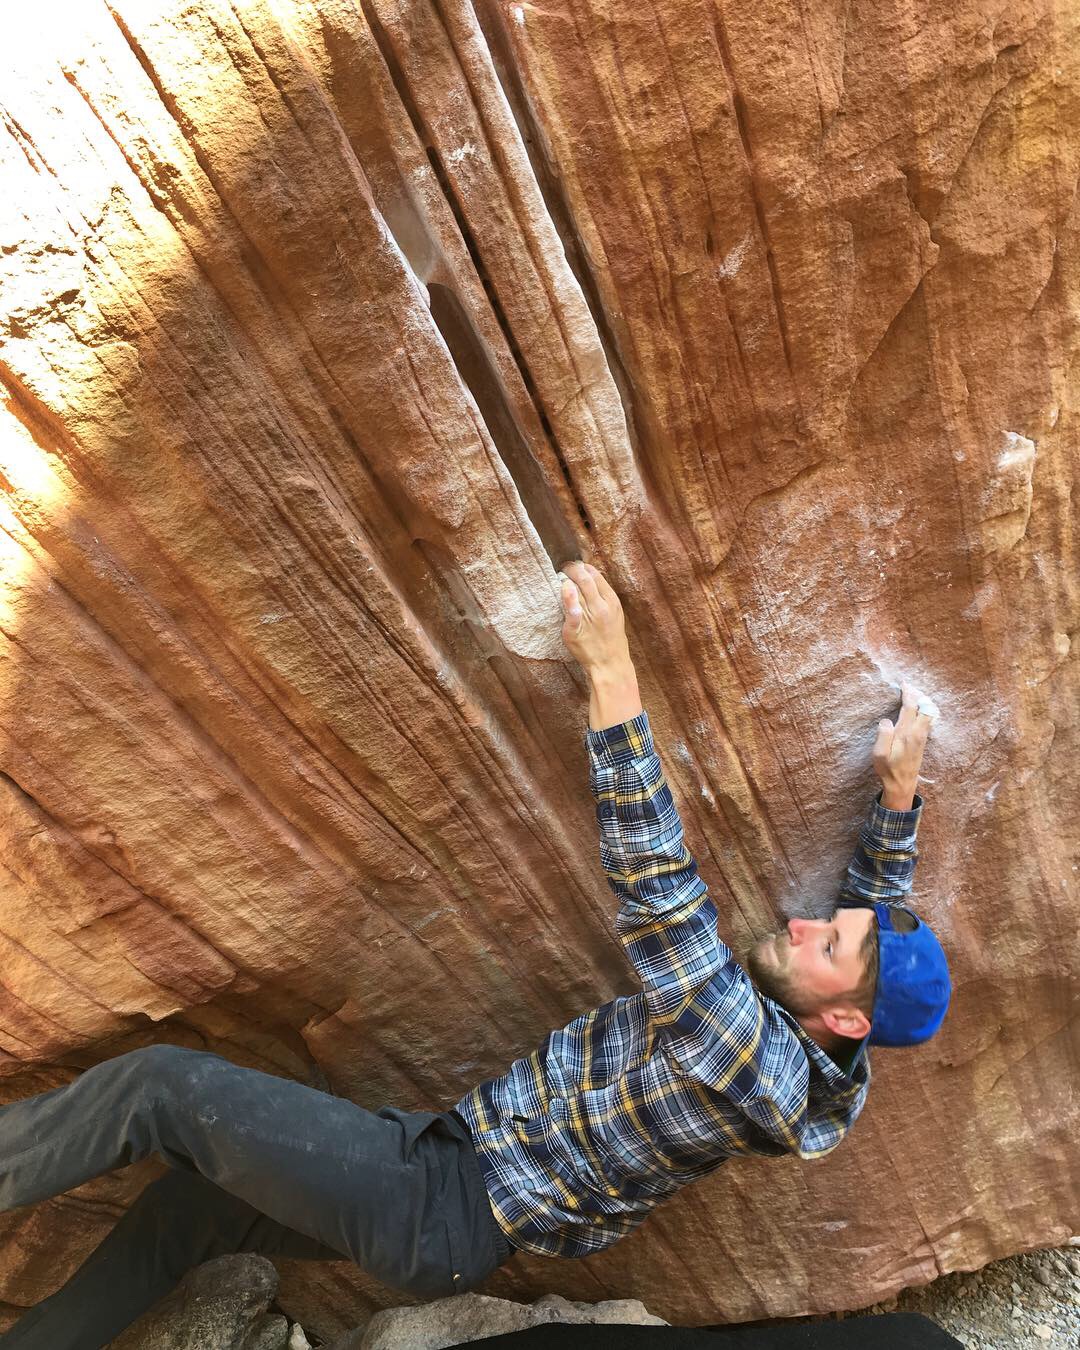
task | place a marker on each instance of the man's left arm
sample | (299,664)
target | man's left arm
(883,865)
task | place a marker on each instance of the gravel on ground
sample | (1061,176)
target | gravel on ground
(1028,1302)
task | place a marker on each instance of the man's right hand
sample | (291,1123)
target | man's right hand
(595,634)
(594,630)
(898,750)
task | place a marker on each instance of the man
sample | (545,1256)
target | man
(573,1146)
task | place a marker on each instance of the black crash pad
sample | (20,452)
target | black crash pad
(887,1331)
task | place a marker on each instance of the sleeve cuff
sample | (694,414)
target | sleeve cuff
(896,822)
(622,743)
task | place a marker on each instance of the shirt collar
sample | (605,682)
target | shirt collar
(855,1075)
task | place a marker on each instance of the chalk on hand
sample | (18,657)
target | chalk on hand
(928,708)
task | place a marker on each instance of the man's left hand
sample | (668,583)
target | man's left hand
(898,750)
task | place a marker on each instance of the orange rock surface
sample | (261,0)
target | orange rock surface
(327,332)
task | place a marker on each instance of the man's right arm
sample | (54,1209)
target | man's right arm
(666,921)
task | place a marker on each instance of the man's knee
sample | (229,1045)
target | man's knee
(171,1066)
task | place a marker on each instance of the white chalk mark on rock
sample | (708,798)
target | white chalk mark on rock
(734,259)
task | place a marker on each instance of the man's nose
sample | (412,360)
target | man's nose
(800,929)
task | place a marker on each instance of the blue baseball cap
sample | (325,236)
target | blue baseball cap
(913,986)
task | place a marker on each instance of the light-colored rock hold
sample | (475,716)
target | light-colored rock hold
(471,1317)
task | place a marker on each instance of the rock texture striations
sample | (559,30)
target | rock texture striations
(328,330)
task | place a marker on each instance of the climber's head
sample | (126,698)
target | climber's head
(870,969)
(822,970)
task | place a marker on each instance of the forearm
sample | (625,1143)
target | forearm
(883,865)
(641,837)
(666,921)
(613,694)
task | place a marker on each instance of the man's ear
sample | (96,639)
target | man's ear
(846,1020)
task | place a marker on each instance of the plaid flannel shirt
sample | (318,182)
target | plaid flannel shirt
(616,1111)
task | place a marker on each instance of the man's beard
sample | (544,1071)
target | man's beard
(765,964)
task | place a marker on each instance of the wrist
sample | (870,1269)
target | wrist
(613,696)
(611,672)
(898,796)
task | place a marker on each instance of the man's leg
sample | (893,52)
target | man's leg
(373,1186)
(178,1222)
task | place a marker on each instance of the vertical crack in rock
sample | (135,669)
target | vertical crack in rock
(550,186)
(474,365)
(472,358)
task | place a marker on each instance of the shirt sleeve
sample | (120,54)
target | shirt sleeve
(666,920)
(716,1028)
(883,864)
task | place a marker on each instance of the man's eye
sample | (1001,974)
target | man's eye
(829,950)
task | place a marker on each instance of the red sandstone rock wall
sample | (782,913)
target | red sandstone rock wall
(325,330)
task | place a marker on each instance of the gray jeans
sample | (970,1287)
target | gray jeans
(263,1164)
